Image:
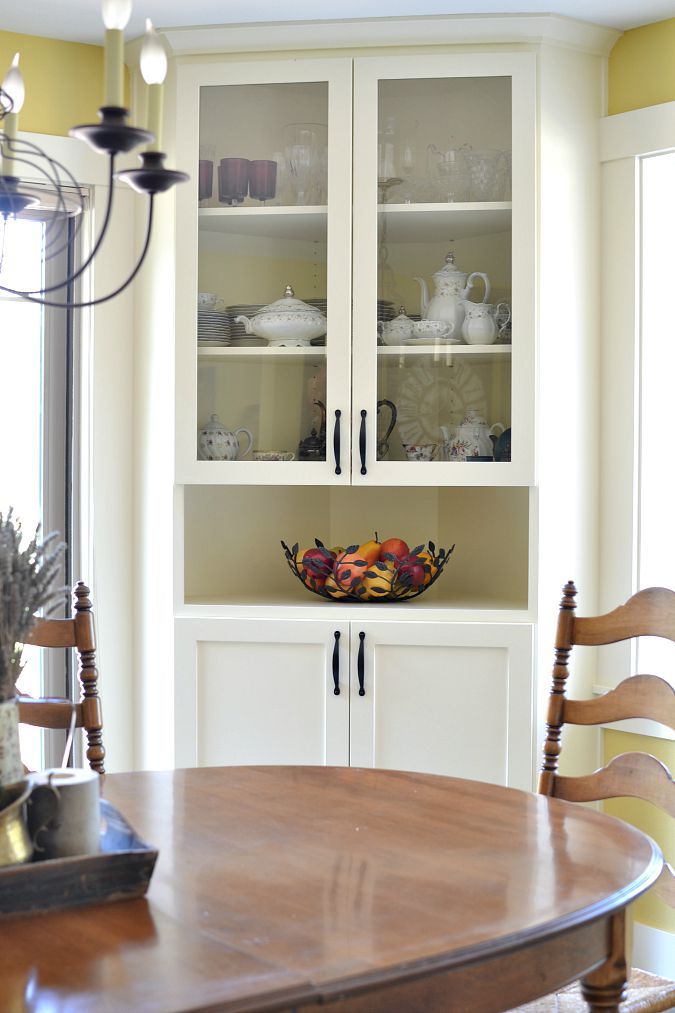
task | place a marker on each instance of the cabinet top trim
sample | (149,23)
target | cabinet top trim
(382,32)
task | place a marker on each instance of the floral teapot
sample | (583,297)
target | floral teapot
(452,287)
(483,321)
(473,439)
(216,443)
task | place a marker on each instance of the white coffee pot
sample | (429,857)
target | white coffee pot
(216,443)
(481,325)
(451,289)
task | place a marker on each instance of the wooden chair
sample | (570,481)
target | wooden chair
(637,775)
(77,632)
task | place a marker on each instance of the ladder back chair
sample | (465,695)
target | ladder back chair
(54,712)
(631,775)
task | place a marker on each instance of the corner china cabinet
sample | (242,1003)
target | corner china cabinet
(400,198)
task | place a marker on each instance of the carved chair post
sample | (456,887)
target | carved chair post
(554,719)
(91,702)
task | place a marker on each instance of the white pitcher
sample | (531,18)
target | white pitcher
(480,322)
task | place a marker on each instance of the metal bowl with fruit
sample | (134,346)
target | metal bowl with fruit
(373,571)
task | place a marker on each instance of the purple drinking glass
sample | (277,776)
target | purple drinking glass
(262,179)
(232,180)
(205,178)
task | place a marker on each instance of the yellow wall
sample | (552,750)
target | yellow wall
(647,817)
(642,67)
(64,81)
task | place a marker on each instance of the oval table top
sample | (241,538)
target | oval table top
(282,886)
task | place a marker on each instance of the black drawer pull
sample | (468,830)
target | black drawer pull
(362,441)
(336,442)
(336,663)
(360,664)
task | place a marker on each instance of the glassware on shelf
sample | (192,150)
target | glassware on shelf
(485,174)
(233,180)
(207,155)
(262,179)
(306,152)
(449,172)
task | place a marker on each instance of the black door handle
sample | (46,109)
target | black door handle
(360,664)
(336,442)
(336,663)
(362,441)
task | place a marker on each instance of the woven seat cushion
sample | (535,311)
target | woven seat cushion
(647,993)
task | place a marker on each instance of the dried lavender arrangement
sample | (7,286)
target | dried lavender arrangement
(29,582)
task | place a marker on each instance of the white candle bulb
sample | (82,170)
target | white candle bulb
(116,14)
(153,68)
(14,87)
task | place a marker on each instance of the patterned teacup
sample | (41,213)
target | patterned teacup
(421,451)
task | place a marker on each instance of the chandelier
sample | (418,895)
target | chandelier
(34,184)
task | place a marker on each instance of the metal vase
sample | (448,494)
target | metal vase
(15,844)
(11,768)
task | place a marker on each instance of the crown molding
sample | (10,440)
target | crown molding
(381,32)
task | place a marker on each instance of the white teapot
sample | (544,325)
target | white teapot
(472,439)
(452,288)
(483,321)
(216,443)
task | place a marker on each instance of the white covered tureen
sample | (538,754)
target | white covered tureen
(288,321)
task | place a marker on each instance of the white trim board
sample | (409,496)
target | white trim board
(638,132)
(380,32)
(653,950)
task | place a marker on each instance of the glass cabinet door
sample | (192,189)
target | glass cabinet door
(443,307)
(263,323)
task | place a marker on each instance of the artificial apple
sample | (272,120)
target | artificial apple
(411,570)
(394,547)
(318,565)
(349,569)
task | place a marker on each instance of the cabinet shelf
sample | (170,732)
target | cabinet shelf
(469,353)
(429,223)
(312,356)
(300,223)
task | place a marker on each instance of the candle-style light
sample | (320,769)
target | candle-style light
(14,88)
(116,14)
(154,66)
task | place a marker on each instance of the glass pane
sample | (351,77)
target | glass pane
(21,420)
(656,548)
(444,270)
(262,313)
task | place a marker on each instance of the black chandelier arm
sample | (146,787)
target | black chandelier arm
(111,295)
(31,293)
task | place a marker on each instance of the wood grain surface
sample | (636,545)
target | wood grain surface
(285,887)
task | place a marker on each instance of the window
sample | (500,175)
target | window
(656,489)
(36,447)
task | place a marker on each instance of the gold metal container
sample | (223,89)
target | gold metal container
(15,844)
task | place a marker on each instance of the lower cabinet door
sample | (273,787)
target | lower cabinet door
(261,691)
(444,698)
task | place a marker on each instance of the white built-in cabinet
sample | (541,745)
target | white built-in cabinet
(454,682)
(445,698)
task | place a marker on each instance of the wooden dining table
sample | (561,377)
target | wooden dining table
(292,888)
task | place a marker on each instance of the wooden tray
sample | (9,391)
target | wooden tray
(120,871)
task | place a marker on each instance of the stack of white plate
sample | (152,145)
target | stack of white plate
(238,335)
(386,310)
(213,327)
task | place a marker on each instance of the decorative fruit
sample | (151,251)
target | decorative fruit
(370,551)
(411,570)
(377,580)
(349,569)
(394,547)
(317,565)
(331,588)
